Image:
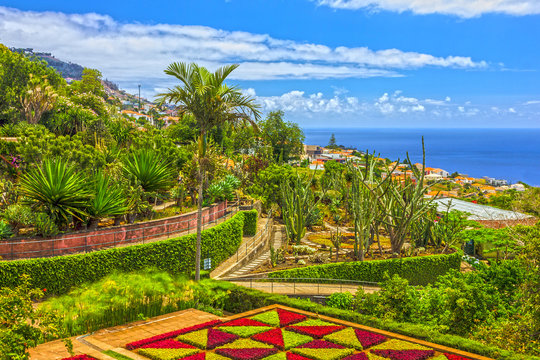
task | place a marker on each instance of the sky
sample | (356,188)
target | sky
(325,63)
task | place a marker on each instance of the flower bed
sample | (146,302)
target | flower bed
(280,334)
(80,357)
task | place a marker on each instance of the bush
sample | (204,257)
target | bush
(5,230)
(303,250)
(242,299)
(340,300)
(251,218)
(420,270)
(176,256)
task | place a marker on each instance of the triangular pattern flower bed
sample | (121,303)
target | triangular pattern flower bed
(282,339)
(207,338)
(279,334)
(405,354)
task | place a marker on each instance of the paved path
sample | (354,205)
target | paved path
(117,337)
(286,288)
(255,263)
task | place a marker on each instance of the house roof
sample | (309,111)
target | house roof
(477,211)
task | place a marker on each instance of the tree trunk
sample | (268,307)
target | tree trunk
(93,224)
(199,226)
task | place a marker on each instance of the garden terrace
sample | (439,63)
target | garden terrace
(272,332)
(85,241)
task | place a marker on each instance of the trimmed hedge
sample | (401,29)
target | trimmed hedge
(419,270)
(251,218)
(177,256)
(242,299)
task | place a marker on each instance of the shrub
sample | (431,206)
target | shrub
(303,250)
(242,299)
(5,230)
(340,300)
(251,218)
(177,256)
(420,270)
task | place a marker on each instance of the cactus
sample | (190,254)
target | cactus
(298,203)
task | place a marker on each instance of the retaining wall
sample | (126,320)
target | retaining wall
(85,241)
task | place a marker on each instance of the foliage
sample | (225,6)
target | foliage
(285,138)
(22,326)
(242,299)
(56,189)
(107,200)
(176,255)
(18,216)
(5,230)
(45,226)
(420,270)
(268,182)
(251,219)
(15,71)
(145,168)
(224,189)
(340,300)
(121,298)
(298,202)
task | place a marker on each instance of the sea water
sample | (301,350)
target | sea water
(511,154)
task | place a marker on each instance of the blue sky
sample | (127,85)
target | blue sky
(326,63)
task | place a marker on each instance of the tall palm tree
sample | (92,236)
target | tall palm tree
(206,97)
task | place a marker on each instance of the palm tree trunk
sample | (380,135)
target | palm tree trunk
(199,227)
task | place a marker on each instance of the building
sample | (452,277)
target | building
(495,182)
(138,115)
(436,171)
(313,151)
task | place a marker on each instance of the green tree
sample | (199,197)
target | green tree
(285,138)
(332,143)
(22,326)
(206,97)
(15,70)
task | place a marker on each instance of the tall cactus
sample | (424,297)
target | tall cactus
(298,203)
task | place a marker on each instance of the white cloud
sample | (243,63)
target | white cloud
(134,52)
(512,110)
(532,102)
(461,8)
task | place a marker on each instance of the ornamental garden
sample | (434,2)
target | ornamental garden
(72,165)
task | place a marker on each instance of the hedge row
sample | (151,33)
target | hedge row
(177,256)
(250,222)
(419,270)
(242,299)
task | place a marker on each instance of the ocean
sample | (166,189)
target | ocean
(511,154)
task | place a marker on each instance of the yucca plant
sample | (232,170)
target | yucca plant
(146,168)
(57,190)
(108,200)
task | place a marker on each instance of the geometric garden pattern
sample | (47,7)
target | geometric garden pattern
(280,334)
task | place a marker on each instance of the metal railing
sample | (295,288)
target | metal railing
(303,286)
(254,242)
(134,233)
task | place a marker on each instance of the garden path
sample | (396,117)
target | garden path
(255,263)
(117,337)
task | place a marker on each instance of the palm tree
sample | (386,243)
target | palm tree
(206,97)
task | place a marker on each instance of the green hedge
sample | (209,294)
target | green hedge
(251,218)
(241,299)
(177,256)
(419,270)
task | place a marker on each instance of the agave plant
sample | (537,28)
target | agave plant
(149,171)
(215,192)
(108,200)
(57,190)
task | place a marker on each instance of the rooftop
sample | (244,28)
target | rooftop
(479,212)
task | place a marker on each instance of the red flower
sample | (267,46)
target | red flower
(170,335)
(44,290)
(405,354)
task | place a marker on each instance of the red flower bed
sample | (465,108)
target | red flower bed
(455,357)
(321,344)
(367,338)
(405,354)
(360,356)
(243,322)
(246,354)
(288,317)
(170,335)
(316,331)
(80,357)
(167,344)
